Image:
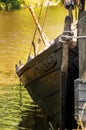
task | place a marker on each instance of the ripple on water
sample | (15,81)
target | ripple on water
(16,33)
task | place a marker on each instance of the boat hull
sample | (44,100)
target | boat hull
(49,83)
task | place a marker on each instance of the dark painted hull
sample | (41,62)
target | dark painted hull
(50,84)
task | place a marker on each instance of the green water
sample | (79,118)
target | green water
(16,33)
(13,108)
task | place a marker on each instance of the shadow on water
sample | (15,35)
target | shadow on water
(33,119)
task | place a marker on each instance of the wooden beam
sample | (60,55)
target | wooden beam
(67,27)
(42,34)
(82,46)
(81,6)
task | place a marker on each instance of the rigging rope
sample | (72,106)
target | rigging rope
(39,40)
(36,28)
(46,13)
(38,20)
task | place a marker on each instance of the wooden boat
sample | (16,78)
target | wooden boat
(49,79)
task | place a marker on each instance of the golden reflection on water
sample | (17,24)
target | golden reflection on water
(16,33)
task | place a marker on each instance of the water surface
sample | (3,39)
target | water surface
(16,34)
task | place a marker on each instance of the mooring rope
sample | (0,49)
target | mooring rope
(77,37)
(67,31)
(20,84)
(20,93)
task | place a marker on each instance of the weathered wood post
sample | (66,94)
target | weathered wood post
(81,6)
(64,68)
(80,84)
(82,46)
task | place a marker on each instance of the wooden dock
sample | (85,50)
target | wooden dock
(80,83)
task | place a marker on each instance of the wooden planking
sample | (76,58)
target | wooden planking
(80,98)
(41,57)
(38,70)
(82,46)
(46,85)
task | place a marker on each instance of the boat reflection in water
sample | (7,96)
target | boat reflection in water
(33,119)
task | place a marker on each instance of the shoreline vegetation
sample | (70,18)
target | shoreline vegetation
(7,5)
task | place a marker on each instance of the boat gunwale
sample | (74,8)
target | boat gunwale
(30,64)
